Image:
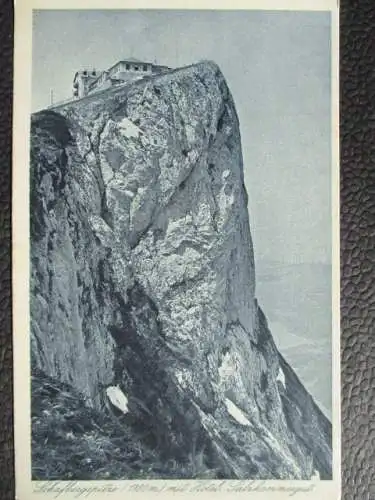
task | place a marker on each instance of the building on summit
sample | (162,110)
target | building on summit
(87,82)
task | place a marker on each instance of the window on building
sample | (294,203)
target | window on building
(94,73)
(127,66)
(85,72)
(136,68)
(145,67)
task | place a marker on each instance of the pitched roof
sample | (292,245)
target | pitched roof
(133,59)
(129,59)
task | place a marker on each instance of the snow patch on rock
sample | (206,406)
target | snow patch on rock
(236,413)
(118,398)
(128,193)
(281,377)
(128,129)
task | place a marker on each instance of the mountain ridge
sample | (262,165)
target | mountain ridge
(143,278)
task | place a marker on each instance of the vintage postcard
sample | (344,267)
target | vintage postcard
(176,249)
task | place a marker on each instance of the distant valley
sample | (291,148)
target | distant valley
(296,299)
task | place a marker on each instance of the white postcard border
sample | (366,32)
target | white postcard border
(257,490)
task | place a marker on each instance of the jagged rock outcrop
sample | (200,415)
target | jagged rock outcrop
(143,278)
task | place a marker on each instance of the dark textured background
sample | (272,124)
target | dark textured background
(357,249)
(6,399)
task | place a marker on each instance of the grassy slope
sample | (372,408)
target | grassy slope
(70,440)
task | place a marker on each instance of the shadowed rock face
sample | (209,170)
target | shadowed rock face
(142,276)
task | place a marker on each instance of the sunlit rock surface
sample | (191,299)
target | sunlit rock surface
(142,278)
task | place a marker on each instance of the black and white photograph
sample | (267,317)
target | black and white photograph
(181,243)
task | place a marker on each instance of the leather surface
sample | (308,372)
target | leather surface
(357,250)
(6,414)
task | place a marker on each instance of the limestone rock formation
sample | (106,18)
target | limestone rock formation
(142,278)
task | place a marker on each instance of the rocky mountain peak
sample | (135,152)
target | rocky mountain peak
(143,279)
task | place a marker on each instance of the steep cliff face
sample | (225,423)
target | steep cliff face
(143,278)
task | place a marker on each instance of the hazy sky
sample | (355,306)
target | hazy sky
(277,65)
